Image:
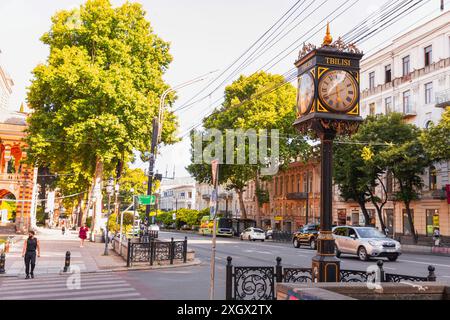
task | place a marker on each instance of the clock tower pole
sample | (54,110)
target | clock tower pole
(333,110)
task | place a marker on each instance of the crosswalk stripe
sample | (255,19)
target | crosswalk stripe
(58,285)
(33,290)
(62,279)
(85,294)
(113,296)
(83,276)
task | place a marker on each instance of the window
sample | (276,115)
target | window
(388,105)
(428,92)
(406,65)
(433,178)
(372,109)
(298,183)
(182,194)
(305,182)
(276,186)
(407,107)
(342,217)
(428,55)
(190,195)
(387,74)
(310,182)
(292,184)
(371,80)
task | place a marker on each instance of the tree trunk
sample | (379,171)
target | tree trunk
(362,205)
(97,192)
(241,203)
(411,222)
(258,208)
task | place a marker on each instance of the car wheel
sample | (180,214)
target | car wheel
(362,254)
(337,252)
(262,240)
(393,258)
(296,243)
(249,238)
(241,238)
(312,244)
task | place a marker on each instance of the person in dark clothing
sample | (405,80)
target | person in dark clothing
(30,247)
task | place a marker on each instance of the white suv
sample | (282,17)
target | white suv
(365,242)
(253,234)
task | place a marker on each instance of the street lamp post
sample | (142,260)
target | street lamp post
(110,191)
(156,137)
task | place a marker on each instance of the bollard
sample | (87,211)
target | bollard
(229,280)
(279,271)
(172,250)
(431,275)
(67,262)
(2,263)
(380,267)
(185,250)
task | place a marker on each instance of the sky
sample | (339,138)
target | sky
(205,36)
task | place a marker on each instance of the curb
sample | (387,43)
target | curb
(121,269)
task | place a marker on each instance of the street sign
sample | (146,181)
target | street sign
(212,211)
(147,200)
(278,218)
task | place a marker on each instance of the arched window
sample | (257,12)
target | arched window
(389,182)
(433,178)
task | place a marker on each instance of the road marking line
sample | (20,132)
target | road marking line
(127,296)
(58,285)
(64,288)
(427,263)
(49,295)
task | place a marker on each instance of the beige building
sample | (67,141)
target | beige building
(410,76)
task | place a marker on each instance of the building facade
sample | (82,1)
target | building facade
(228,202)
(410,76)
(176,194)
(17,179)
(289,200)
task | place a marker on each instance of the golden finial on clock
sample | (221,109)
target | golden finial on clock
(328,38)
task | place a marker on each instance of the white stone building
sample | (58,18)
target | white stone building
(411,76)
(228,200)
(176,194)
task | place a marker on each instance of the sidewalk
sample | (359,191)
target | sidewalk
(54,246)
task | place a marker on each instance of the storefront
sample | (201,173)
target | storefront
(432,219)
(407,230)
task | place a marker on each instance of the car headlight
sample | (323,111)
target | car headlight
(375,243)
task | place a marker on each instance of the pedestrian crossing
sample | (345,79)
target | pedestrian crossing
(76,286)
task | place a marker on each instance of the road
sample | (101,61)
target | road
(192,283)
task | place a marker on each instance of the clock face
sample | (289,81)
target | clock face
(338,90)
(305,92)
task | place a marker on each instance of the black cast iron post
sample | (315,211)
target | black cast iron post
(67,262)
(229,280)
(325,265)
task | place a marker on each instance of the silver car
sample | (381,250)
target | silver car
(365,242)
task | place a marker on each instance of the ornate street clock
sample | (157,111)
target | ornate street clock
(328,105)
(328,86)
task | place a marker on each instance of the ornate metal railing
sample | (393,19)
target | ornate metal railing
(151,234)
(156,251)
(258,283)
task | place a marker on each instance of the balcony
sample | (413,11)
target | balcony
(443,99)
(206,196)
(296,196)
(443,63)
(409,111)
(439,194)
(10,177)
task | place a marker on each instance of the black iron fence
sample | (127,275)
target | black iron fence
(282,236)
(155,251)
(258,283)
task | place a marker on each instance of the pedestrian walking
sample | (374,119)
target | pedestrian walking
(63,227)
(83,234)
(30,247)
(437,237)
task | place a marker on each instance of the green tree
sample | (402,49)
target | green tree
(94,98)
(436,139)
(405,157)
(261,101)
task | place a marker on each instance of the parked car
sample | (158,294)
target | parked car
(365,242)
(269,234)
(306,236)
(253,234)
